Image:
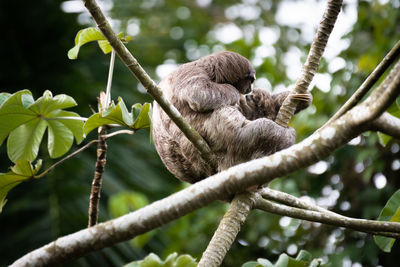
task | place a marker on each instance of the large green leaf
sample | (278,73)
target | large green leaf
(143,119)
(22,171)
(173,260)
(25,122)
(24,142)
(391,212)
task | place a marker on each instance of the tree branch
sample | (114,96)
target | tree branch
(312,63)
(151,87)
(389,229)
(369,82)
(227,230)
(387,124)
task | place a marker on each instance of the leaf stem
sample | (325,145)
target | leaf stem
(66,118)
(44,173)
(110,77)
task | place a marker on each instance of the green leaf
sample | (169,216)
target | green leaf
(398,102)
(185,261)
(304,256)
(60,139)
(391,212)
(22,171)
(143,120)
(105,46)
(25,122)
(24,141)
(13,113)
(384,138)
(264,262)
(82,37)
(139,118)
(75,126)
(4,97)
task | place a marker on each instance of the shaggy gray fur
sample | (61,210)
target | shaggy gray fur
(209,94)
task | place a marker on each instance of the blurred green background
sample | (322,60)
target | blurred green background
(356,180)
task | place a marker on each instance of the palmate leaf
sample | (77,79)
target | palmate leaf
(152,260)
(20,172)
(391,212)
(92,34)
(25,122)
(118,114)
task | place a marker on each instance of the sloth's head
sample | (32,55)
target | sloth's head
(229,67)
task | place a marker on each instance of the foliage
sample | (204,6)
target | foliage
(152,260)
(92,34)
(138,118)
(303,259)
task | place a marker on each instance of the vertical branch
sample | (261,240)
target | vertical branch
(98,177)
(227,230)
(312,63)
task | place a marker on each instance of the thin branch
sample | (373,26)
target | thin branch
(227,230)
(313,59)
(369,82)
(44,173)
(290,200)
(219,186)
(130,132)
(151,87)
(387,124)
(389,229)
(95,191)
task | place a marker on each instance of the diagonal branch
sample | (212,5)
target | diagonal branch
(312,63)
(129,60)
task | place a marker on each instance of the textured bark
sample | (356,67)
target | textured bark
(312,63)
(98,178)
(227,230)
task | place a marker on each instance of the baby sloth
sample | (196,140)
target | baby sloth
(210,94)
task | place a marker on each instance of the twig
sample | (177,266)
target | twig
(151,87)
(44,173)
(368,83)
(325,28)
(389,229)
(227,230)
(131,132)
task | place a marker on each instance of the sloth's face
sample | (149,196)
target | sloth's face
(245,85)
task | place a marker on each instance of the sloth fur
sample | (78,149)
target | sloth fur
(209,93)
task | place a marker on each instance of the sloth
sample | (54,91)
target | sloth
(214,95)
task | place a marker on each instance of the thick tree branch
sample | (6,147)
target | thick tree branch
(227,230)
(387,124)
(320,214)
(313,59)
(219,186)
(389,229)
(151,87)
(369,82)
